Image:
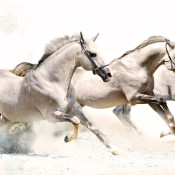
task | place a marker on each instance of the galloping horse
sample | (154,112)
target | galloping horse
(132,77)
(42,94)
(163,85)
(131,80)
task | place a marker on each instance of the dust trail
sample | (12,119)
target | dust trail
(15,143)
(46,138)
(49,137)
(42,137)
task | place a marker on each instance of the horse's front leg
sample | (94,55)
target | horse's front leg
(77,110)
(59,116)
(73,134)
(63,117)
(123,114)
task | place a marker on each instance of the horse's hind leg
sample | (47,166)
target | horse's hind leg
(3,120)
(170,116)
(165,114)
(159,105)
(10,127)
(157,108)
(15,128)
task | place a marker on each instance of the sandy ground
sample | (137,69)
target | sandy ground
(49,155)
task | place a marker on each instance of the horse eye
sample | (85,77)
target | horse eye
(92,54)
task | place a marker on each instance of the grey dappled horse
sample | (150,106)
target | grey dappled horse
(163,85)
(42,94)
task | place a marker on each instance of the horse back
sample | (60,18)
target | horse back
(10,85)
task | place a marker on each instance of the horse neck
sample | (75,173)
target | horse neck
(149,58)
(59,67)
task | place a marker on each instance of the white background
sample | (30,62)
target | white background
(26,26)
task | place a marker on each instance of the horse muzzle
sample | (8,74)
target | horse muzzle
(104,73)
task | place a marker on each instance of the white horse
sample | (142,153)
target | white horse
(131,80)
(163,85)
(43,93)
(132,77)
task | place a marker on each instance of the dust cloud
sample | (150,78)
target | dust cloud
(45,138)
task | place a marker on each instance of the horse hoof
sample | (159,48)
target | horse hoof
(66,139)
(163,133)
(69,137)
(114,150)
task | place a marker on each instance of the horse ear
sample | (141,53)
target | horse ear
(81,37)
(171,44)
(95,37)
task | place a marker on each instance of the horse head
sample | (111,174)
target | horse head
(91,59)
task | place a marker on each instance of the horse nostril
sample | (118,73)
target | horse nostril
(109,75)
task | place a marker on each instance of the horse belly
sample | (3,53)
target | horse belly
(103,102)
(25,118)
(21,113)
